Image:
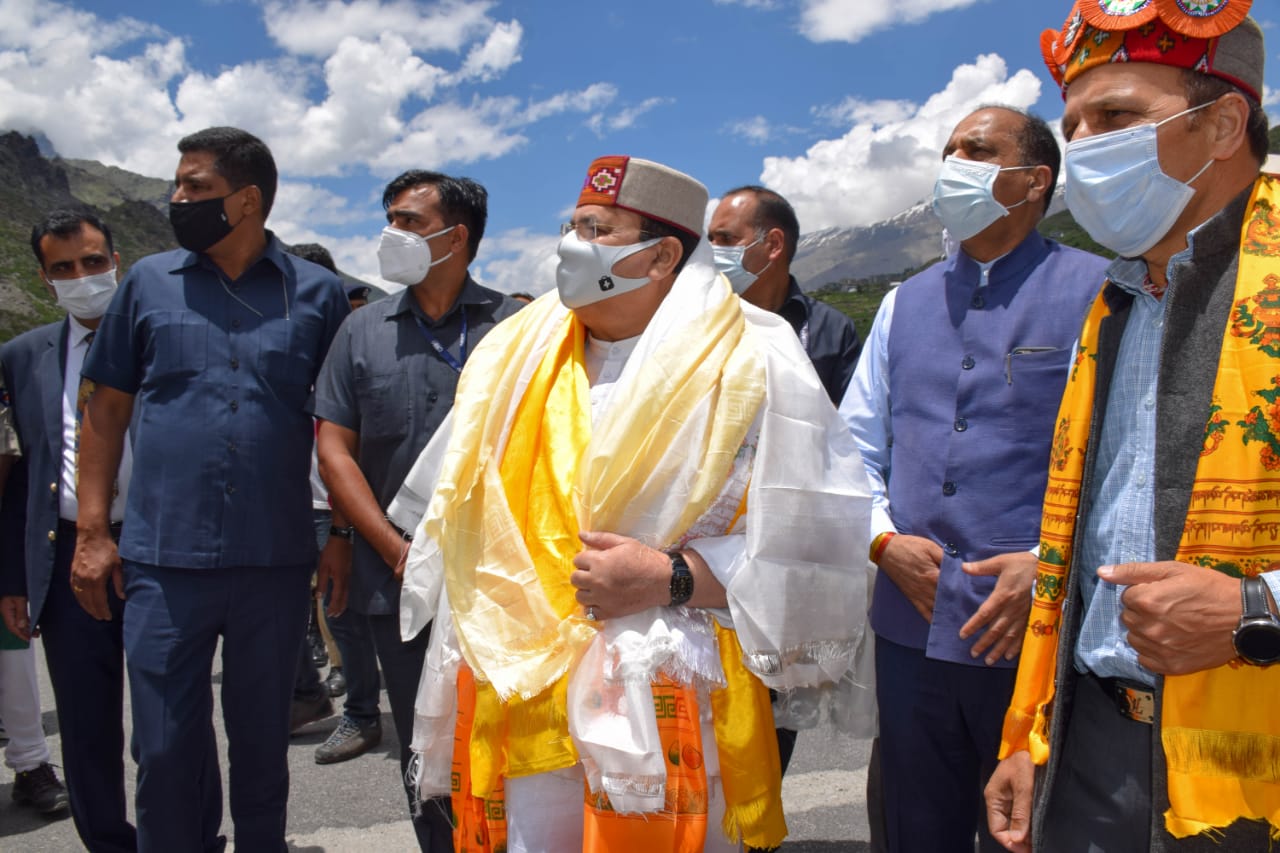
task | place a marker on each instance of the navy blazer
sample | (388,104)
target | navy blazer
(34,363)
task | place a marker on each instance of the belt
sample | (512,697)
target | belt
(68,528)
(1134,701)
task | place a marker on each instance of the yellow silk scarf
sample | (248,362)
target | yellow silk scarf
(1219,727)
(532,472)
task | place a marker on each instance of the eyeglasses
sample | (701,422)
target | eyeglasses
(591,230)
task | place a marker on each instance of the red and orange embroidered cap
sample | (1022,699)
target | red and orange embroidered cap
(1214,37)
(647,188)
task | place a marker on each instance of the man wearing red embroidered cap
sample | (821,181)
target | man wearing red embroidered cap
(615,605)
(1144,715)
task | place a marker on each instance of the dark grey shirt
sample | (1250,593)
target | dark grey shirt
(828,337)
(384,380)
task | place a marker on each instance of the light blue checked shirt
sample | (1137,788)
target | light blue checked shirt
(1120,528)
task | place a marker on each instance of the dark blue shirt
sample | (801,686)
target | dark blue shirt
(384,380)
(828,336)
(222,372)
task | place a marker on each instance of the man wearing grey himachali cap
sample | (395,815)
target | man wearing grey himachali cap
(610,604)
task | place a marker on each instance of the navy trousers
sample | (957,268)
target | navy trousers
(173,619)
(86,668)
(940,728)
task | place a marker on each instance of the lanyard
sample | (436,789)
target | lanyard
(439,348)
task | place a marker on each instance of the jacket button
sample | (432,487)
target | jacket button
(948,488)
(961,424)
(53,534)
(951,549)
(53,487)
(977,301)
(968,362)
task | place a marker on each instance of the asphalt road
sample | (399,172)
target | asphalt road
(358,806)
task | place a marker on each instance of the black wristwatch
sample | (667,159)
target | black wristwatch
(1257,637)
(347,533)
(681,579)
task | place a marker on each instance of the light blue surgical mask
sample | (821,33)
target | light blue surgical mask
(964,198)
(1117,191)
(729,264)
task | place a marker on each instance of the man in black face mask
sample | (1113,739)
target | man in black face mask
(218,344)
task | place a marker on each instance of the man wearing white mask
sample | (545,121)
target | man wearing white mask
(952,407)
(85,656)
(386,385)
(643,513)
(1144,715)
(753,233)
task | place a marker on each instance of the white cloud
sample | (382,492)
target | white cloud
(888,159)
(853,20)
(626,117)
(1270,97)
(517,260)
(750,4)
(495,55)
(755,130)
(302,206)
(854,110)
(316,27)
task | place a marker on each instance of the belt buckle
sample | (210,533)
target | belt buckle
(1136,703)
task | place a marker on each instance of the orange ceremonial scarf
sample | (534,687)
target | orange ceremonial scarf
(1219,727)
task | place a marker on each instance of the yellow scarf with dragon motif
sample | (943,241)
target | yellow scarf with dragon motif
(1219,727)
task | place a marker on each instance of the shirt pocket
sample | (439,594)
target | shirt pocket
(287,359)
(384,404)
(179,346)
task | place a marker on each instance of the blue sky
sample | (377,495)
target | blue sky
(841,105)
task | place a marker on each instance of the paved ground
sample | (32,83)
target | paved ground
(357,806)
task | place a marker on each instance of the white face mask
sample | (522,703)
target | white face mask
(1117,191)
(86,298)
(585,272)
(729,264)
(405,257)
(963,196)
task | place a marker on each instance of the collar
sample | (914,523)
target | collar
(1219,233)
(76,332)
(1011,264)
(471,294)
(274,252)
(795,296)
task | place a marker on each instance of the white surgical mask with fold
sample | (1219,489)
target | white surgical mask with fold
(729,264)
(86,298)
(585,272)
(405,257)
(964,197)
(1117,191)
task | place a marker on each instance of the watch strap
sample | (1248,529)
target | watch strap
(347,533)
(1253,598)
(681,579)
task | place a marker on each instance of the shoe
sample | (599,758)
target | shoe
(319,654)
(349,740)
(304,712)
(315,642)
(40,789)
(336,682)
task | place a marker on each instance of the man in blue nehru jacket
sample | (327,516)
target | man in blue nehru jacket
(217,345)
(952,406)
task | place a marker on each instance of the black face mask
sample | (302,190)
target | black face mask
(199,224)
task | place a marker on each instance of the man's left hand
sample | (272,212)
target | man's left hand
(1005,611)
(617,576)
(1180,617)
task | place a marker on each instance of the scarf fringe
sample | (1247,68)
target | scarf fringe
(1240,755)
(821,653)
(755,822)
